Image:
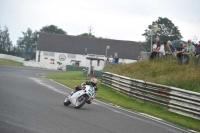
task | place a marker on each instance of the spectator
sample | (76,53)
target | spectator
(158,43)
(115,60)
(190,48)
(162,48)
(154,51)
(110,59)
(107,61)
(197,49)
(138,58)
(157,39)
(190,51)
(171,47)
(167,47)
(154,46)
(180,53)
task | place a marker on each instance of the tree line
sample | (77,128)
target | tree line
(27,43)
(5,42)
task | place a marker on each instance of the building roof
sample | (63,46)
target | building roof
(92,58)
(78,45)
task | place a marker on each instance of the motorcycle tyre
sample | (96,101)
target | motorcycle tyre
(79,106)
(67,103)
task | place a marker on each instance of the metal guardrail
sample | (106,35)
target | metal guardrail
(145,55)
(174,99)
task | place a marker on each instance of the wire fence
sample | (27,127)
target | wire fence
(145,55)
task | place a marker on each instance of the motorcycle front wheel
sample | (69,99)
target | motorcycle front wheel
(67,103)
(80,101)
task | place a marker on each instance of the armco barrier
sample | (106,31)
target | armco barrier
(174,99)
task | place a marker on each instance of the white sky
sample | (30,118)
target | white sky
(115,19)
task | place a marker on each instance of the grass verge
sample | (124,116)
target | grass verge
(71,79)
(10,63)
(166,72)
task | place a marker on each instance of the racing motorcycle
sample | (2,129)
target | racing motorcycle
(80,97)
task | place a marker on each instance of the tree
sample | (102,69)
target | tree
(146,46)
(5,42)
(166,31)
(1,43)
(27,44)
(18,51)
(53,29)
(89,34)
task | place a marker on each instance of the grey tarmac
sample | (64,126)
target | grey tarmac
(33,104)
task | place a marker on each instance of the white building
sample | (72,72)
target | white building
(56,50)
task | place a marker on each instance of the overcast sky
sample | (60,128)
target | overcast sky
(115,19)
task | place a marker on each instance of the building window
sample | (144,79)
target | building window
(75,64)
(52,54)
(72,56)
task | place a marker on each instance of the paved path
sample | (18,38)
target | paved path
(32,104)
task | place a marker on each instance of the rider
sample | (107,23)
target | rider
(93,82)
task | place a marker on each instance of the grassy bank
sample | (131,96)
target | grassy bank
(73,78)
(10,63)
(165,72)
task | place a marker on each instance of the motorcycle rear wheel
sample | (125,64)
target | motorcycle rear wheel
(82,102)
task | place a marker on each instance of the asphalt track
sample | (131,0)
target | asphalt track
(32,104)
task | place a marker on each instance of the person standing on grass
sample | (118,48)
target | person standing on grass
(171,47)
(162,48)
(139,58)
(190,51)
(106,61)
(115,60)
(197,49)
(180,53)
(110,59)
(154,51)
(158,43)
(167,47)
(156,48)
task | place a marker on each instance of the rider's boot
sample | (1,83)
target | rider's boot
(89,101)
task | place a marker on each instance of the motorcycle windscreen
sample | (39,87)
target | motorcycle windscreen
(90,91)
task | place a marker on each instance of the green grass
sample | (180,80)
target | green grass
(71,75)
(71,79)
(10,63)
(166,72)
